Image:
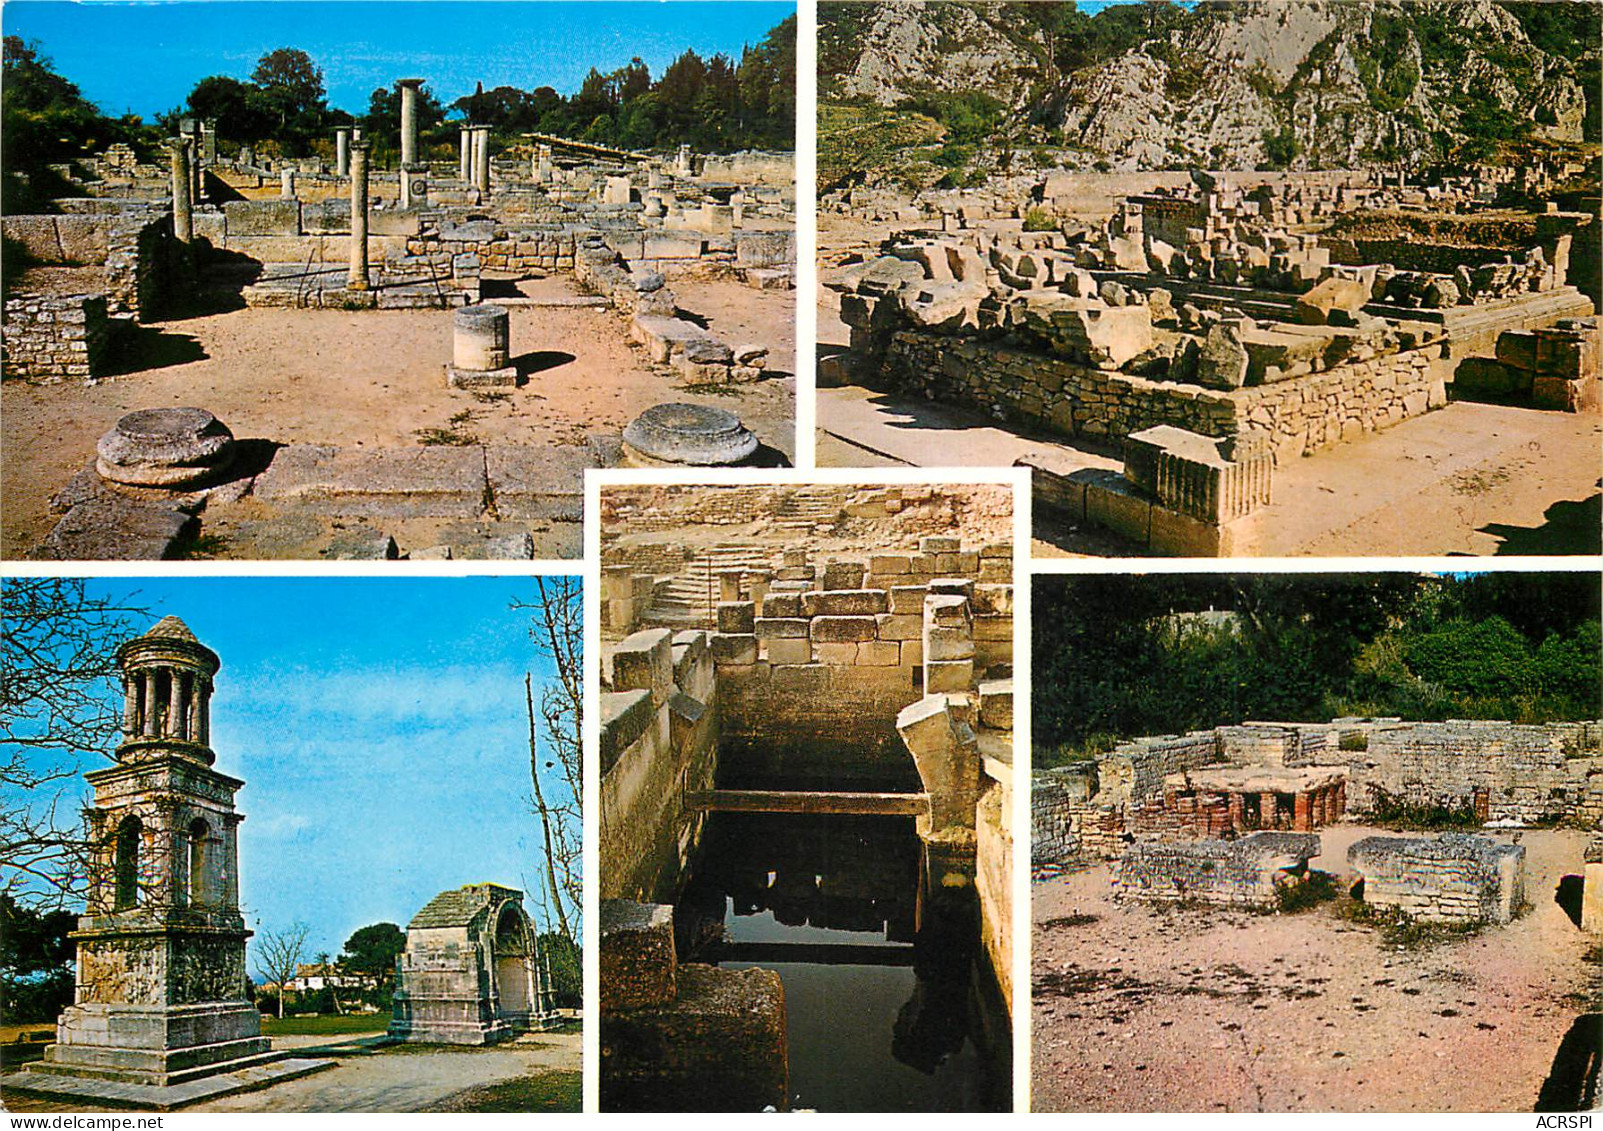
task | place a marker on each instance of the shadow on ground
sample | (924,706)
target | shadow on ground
(1569,527)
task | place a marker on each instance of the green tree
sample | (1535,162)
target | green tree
(291,87)
(373,950)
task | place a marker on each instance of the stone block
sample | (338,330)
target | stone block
(899,626)
(774,628)
(782,605)
(879,653)
(737,616)
(263,217)
(790,650)
(835,654)
(733,648)
(947,676)
(625,716)
(948,610)
(948,643)
(905,599)
(913,652)
(996,704)
(844,574)
(889,563)
(939,544)
(645,661)
(845,602)
(843,629)
(639,965)
(720,1045)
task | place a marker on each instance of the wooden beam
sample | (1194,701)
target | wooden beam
(807,801)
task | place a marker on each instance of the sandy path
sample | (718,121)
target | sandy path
(397,1079)
(1139,1009)
(373,379)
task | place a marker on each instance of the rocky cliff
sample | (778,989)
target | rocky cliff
(1237,83)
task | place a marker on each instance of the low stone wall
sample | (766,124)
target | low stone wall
(659,737)
(1298,415)
(1134,771)
(1508,771)
(143,267)
(1446,879)
(1273,744)
(1249,872)
(50,339)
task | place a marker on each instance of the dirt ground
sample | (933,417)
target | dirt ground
(1137,1008)
(375,379)
(1473,478)
(399,1078)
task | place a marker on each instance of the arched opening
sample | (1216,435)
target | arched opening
(514,963)
(199,886)
(129,833)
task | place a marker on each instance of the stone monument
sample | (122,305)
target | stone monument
(161,1015)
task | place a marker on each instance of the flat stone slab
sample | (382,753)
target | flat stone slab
(110,528)
(538,482)
(442,482)
(81,1089)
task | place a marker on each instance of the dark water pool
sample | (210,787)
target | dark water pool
(887,1007)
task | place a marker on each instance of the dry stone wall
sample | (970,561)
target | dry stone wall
(50,339)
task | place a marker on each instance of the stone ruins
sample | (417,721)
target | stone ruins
(148,241)
(1226,815)
(1214,326)
(473,972)
(738,649)
(161,1017)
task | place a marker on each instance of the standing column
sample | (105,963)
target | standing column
(481,171)
(175,704)
(183,203)
(192,720)
(342,151)
(409,122)
(465,162)
(203,712)
(148,729)
(130,708)
(358,280)
(286,183)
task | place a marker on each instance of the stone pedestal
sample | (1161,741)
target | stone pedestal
(165,447)
(668,435)
(481,350)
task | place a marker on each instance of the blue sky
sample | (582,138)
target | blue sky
(146,57)
(380,728)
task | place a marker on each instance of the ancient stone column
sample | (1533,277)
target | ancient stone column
(342,151)
(481,169)
(682,166)
(148,730)
(483,338)
(203,712)
(130,709)
(358,280)
(409,122)
(286,183)
(177,708)
(183,203)
(465,164)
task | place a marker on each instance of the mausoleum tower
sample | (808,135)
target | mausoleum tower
(161,949)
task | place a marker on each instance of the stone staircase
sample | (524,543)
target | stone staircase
(689,599)
(809,507)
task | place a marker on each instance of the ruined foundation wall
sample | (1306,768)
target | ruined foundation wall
(1134,772)
(1449,879)
(659,738)
(55,339)
(1301,414)
(1239,873)
(142,264)
(1521,770)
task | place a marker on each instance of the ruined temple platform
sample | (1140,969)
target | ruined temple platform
(1470,478)
(112,1093)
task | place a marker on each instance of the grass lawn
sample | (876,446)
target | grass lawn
(331,1023)
(547,1091)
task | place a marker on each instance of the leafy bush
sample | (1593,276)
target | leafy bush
(1039,220)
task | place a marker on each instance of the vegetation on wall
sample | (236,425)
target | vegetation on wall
(1117,657)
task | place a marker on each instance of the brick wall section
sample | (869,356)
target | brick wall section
(1301,414)
(56,339)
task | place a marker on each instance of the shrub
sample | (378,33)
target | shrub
(1039,220)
